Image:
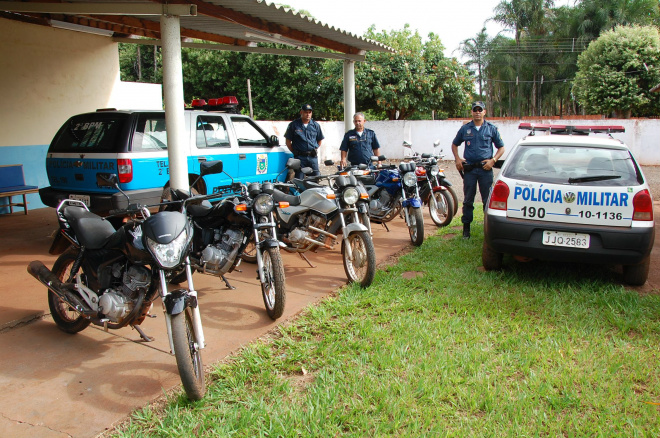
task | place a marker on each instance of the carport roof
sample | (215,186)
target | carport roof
(237,23)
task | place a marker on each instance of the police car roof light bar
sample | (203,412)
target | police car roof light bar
(224,104)
(571,129)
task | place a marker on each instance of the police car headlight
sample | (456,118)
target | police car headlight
(410,179)
(350,195)
(263,204)
(169,255)
(435,170)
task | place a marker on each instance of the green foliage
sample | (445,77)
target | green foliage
(416,79)
(139,63)
(617,71)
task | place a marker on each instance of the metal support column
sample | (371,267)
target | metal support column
(349,94)
(173,96)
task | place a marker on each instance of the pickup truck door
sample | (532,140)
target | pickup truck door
(212,141)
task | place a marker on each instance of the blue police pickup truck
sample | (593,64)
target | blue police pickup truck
(133,145)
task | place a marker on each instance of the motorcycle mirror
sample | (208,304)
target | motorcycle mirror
(210,167)
(106,179)
(407,145)
(436,143)
(425,155)
(374,158)
(382,158)
(307,171)
(293,163)
(362,167)
(329,163)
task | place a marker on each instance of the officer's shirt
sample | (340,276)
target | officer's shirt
(304,139)
(359,147)
(478,143)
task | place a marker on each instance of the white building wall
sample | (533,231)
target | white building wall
(642,135)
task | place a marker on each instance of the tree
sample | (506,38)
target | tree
(616,72)
(417,79)
(476,49)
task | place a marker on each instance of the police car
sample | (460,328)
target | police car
(571,193)
(133,145)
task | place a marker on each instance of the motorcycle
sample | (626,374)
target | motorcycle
(223,230)
(393,191)
(440,179)
(111,278)
(316,216)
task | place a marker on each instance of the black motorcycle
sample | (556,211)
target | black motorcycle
(223,230)
(111,278)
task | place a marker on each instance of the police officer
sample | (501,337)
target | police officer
(303,138)
(359,144)
(478,160)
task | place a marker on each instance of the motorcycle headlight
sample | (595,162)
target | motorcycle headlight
(263,204)
(435,170)
(350,195)
(410,179)
(169,255)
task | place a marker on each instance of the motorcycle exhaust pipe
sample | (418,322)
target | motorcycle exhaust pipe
(48,279)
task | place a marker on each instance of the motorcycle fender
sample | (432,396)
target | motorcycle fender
(59,245)
(354,228)
(270,243)
(439,188)
(177,301)
(413,202)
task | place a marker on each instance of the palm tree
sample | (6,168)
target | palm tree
(475,49)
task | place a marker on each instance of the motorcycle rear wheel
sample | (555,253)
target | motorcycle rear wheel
(274,291)
(444,213)
(454,198)
(188,355)
(67,319)
(362,268)
(416,225)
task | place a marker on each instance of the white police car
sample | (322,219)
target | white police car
(565,195)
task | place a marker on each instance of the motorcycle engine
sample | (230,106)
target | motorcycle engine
(116,303)
(219,256)
(297,236)
(380,205)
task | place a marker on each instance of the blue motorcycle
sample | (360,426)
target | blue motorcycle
(393,191)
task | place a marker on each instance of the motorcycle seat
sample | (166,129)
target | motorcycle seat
(367,179)
(283,197)
(199,210)
(91,230)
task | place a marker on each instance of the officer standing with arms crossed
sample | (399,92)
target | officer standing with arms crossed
(359,144)
(478,160)
(303,138)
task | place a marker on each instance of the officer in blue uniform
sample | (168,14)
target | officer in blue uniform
(359,144)
(476,167)
(303,138)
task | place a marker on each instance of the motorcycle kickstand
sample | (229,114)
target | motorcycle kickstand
(143,335)
(229,286)
(306,259)
(385,225)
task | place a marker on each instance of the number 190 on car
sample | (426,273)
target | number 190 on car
(571,240)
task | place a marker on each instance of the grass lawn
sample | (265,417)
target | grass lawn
(438,347)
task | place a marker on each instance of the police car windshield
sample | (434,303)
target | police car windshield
(89,133)
(573,165)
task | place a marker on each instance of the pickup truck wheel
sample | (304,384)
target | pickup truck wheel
(491,260)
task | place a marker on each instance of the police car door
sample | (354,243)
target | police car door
(258,160)
(212,142)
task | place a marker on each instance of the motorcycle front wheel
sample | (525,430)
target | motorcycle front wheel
(416,225)
(188,355)
(362,268)
(67,319)
(274,289)
(443,213)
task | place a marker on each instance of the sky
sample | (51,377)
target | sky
(453,21)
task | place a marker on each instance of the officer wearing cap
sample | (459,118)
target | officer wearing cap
(359,144)
(478,160)
(303,138)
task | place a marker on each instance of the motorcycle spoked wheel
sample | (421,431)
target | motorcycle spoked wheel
(67,319)
(454,198)
(394,212)
(362,268)
(249,254)
(443,214)
(188,355)
(274,290)
(416,225)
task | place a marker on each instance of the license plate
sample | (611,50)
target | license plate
(83,198)
(571,240)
